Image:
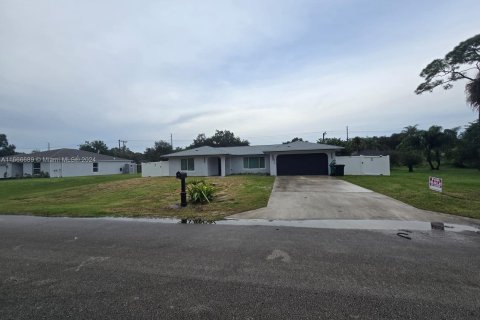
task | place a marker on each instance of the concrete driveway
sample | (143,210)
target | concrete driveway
(324,197)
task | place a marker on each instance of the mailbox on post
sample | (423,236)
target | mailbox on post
(183,193)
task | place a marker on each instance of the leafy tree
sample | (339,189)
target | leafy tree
(96,146)
(433,140)
(437,142)
(227,139)
(395,157)
(200,141)
(450,145)
(376,143)
(293,140)
(338,142)
(410,147)
(412,138)
(138,157)
(333,142)
(159,149)
(442,72)
(410,158)
(468,151)
(219,139)
(394,140)
(126,153)
(357,144)
(6,149)
(472,89)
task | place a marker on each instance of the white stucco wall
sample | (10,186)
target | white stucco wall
(208,166)
(17,170)
(78,169)
(55,170)
(10,170)
(155,169)
(236,166)
(5,171)
(27,168)
(75,169)
(200,166)
(365,165)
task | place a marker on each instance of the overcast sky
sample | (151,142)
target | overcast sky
(72,71)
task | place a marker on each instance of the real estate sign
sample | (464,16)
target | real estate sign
(435,184)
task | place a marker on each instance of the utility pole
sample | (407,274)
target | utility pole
(123,142)
(323,137)
(347,133)
(171,140)
(48,146)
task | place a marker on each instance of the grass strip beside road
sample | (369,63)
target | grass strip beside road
(129,196)
(460,196)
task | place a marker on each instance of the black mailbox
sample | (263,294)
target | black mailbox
(183,193)
(181,175)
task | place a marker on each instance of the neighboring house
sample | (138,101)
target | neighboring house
(64,163)
(296,158)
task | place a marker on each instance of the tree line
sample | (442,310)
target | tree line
(410,147)
(413,146)
(221,138)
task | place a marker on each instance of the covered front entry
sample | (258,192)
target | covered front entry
(302,164)
(214,166)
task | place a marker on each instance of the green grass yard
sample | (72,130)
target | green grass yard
(461,189)
(133,196)
(129,196)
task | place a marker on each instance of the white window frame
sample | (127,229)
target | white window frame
(39,169)
(248,160)
(189,164)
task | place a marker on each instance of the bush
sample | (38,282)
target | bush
(200,191)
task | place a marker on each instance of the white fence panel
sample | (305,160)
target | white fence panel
(155,169)
(365,165)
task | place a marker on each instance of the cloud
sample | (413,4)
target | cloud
(107,70)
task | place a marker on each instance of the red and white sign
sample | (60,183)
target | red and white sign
(435,184)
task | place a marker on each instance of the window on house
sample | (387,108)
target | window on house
(254,162)
(95,167)
(187,164)
(36,168)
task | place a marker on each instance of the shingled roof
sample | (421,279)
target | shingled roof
(253,150)
(71,153)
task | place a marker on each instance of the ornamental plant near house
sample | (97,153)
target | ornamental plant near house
(200,191)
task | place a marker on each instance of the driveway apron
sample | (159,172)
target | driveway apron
(324,197)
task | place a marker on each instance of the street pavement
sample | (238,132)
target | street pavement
(62,268)
(324,197)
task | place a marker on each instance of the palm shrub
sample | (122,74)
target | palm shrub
(200,191)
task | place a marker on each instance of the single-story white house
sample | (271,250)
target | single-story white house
(64,163)
(296,158)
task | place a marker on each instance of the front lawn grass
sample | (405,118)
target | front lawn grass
(129,196)
(461,189)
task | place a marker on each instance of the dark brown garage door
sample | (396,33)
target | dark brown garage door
(302,164)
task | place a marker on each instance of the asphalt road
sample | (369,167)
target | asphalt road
(89,269)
